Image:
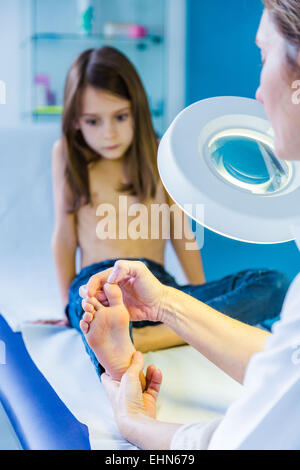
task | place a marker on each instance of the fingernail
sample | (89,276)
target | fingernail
(110,278)
(108,285)
(112,275)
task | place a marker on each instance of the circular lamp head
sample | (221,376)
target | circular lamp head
(219,154)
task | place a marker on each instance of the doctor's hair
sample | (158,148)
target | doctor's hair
(286,16)
(109,70)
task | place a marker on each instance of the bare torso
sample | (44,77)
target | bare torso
(98,243)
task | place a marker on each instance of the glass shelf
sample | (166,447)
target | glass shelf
(58,109)
(149,39)
(48,111)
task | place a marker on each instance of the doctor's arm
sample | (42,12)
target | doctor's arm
(226,342)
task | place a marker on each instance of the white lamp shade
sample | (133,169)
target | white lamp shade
(217,162)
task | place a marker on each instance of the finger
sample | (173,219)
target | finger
(110,386)
(113,294)
(97,281)
(107,381)
(125,279)
(131,387)
(136,366)
(149,373)
(155,381)
(123,268)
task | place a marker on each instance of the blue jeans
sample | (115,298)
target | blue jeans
(254,296)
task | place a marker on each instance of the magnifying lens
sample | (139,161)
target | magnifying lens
(219,154)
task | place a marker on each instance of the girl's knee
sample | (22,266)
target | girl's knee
(276,280)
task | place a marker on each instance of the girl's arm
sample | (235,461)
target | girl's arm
(64,239)
(185,244)
(64,251)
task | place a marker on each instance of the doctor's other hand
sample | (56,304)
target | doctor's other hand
(127,399)
(142,292)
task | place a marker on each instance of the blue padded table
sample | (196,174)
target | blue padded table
(39,417)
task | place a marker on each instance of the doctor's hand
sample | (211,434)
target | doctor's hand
(142,292)
(126,397)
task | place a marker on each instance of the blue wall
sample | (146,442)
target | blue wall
(222,59)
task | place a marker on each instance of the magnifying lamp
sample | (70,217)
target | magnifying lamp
(219,153)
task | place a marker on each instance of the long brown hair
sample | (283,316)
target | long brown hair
(110,70)
(286,16)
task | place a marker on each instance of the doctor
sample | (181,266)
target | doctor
(267,416)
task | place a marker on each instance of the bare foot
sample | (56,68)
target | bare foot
(107,332)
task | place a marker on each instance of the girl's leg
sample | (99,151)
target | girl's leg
(251,296)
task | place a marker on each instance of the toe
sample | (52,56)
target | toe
(84,326)
(83,291)
(95,303)
(88,317)
(101,296)
(113,294)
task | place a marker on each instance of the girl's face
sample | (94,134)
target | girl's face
(276,92)
(106,122)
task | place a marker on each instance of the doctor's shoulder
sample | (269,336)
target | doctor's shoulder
(291,304)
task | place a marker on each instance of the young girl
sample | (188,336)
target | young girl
(106,157)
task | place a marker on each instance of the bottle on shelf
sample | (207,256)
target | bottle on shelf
(41,90)
(45,99)
(86,16)
(127,30)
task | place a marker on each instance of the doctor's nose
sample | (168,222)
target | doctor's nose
(259,96)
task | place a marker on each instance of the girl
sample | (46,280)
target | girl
(105,158)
